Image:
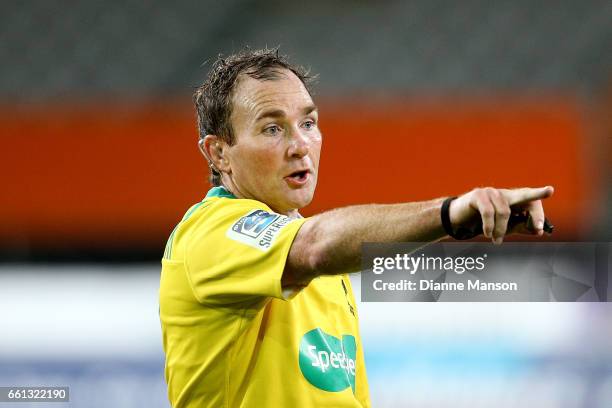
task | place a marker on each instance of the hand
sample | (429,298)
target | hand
(493,206)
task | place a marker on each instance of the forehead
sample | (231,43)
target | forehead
(252,96)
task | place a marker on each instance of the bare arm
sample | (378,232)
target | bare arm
(330,243)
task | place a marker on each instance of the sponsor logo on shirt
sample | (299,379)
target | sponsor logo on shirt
(258,229)
(328,362)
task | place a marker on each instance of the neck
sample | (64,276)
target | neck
(229,185)
(293,213)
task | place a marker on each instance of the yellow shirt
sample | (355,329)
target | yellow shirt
(230,336)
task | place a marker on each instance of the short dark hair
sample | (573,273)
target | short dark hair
(213,99)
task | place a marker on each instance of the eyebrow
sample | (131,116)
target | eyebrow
(279,113)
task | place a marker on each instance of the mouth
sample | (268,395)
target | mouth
(298,178)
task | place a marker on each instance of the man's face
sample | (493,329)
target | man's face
(275,157)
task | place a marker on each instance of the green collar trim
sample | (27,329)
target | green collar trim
(219,191)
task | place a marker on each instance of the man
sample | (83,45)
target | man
(255,304)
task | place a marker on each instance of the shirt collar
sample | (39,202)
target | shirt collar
(219,191)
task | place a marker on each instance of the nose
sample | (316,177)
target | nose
(299,144)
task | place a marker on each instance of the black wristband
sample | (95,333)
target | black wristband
(445,215)
(461,233)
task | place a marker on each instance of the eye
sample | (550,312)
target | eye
(309,124)
(272,130)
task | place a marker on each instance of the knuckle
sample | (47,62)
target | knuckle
(504,212)
(487,212)
(478,197)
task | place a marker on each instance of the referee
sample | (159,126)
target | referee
(256,306)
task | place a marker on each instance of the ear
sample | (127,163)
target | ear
(214,149)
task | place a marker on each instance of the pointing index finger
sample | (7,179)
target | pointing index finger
(527,194)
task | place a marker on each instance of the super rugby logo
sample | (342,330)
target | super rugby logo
(328,362)
(258,229)
(254,223)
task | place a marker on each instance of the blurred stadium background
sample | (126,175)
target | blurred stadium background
(418,99)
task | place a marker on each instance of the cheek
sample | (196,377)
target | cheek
(315,151)
(258,165)
(264,162)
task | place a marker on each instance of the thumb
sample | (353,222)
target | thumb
(527,194)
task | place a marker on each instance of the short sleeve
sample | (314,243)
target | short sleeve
(237,252)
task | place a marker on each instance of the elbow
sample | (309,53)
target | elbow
(311,265)
(316,261)
(307,257)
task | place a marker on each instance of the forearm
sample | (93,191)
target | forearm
(330,243)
